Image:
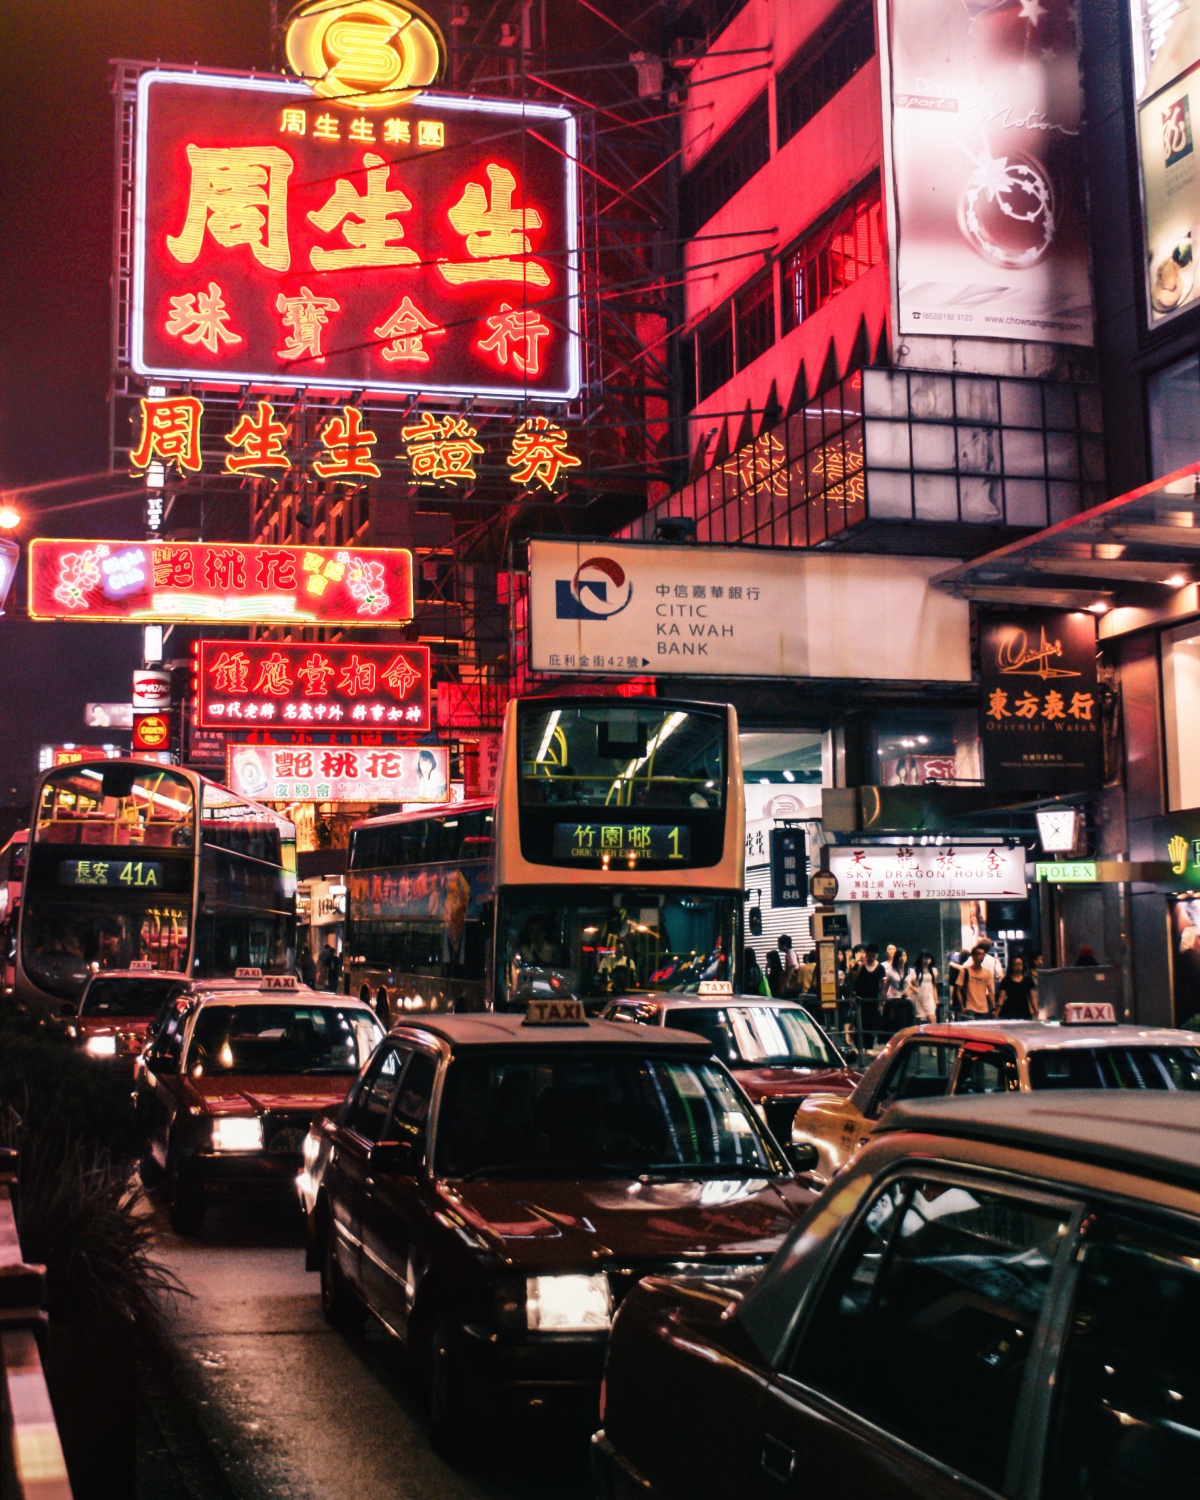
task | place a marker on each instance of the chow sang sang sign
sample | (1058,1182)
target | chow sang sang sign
(199,583)
(281,685)
(288,239)
(337,773)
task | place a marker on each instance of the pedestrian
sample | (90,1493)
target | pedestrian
(1085,958)
(331,964)
(791,966)
(755,981)
(307,966)
(1016,997)
(774,973)
(978,988)
(867,987)
(925,989)
(897,1003)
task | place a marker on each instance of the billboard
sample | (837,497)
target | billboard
(989,227)
(206,583)
(622,609)
(337,773)
(284,239)
(282,685)
(891,872)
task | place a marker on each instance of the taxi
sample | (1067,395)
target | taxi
(774,1048)
(114,1014)
(1086,1049)
(998,1297)
(231,1080)
(493,1186)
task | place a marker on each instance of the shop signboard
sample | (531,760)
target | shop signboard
(151,731)
(986,160)
(1066,872)
(952,872)
(212,583)
(789,883)
(108,715)
(285,685)
(73,755)
(151,689)
(284,238)
(1040,712)
(10,556)
(625,608)
(338,773)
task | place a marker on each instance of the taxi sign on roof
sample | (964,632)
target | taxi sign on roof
(245,973)
(565,1012)
(281,982)
(715,987)
(141,966)
(1094,1013)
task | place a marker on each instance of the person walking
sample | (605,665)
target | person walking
(896,1003)
(1016,997)
(925,989)
(307,966)
(774,974)
(791,966)
(978,988)
(867,988)
(755,981)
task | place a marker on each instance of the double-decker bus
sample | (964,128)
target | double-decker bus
(131,860)
(611,857)
(12,876)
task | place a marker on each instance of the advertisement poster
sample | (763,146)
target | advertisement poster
(1040,712)
(953,873)
(335,773)
(988,170)
(622,609)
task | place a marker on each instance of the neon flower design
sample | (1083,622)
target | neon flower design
(78,575)
(366,584)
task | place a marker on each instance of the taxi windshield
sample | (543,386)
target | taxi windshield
(566,1114)
(758,1036)
(128,997)
(1115,1068)
(274,1038)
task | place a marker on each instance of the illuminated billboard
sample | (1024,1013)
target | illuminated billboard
(283,685)
(337,773)
(286,240)
(205,583)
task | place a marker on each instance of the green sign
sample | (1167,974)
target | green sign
(1073,872)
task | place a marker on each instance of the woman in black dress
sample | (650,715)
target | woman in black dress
(1016,994)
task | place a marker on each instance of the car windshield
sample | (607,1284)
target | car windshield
(128,997)
(274,1038)
(562,1113)
(1115,1067)
(758,1036)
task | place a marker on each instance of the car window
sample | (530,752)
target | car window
(990,1070)
(368,1113)
(1115,1068)
(1127,1421)
(922,1071)
(926,1324)
(411,1114)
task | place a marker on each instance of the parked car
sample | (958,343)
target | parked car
(998,1297)
(231,1082)
(774,1048)
(117,1009)
(491,1188)
(979,1057)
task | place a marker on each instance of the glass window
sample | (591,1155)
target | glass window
(128,997)
(714,352)
(826,65)
(727,166)
(1181,711)
(993,1071)
(1115,1068)
(411,1115)
(368,1111)
(832,256)
(1127,1423)
(118,802)
(929,1317)
(922,1071)
(62,940)
(273,1038)
(755,321)
(757,1036)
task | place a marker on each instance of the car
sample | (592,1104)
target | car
(117,1010)
(774,1048)
(493,1185)
(231,1081)
(998,1297)
(981,1057)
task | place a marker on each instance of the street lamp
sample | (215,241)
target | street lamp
(10,517)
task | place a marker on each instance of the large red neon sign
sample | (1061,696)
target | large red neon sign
(282,685)
(204,583)
(284,242)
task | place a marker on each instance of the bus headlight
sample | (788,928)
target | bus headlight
(237,1133)
(568,1304)
(101,1046)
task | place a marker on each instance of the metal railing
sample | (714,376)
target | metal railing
(32,1466)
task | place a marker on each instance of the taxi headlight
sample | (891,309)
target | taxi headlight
(237,1133)
(101,1046)
(568,1304)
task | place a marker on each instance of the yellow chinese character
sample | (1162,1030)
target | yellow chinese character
(335,571)
(431,133)
(326,128)
(362,129)
(610,838)
(100,873)
(231,187)
(1081,706)
(441,449)
(83,872)
(304,316)
(494,233)
(1054,706)
(376,225)
(639,838)
(316,584)
(407,328)
(312,562)
(1026,706)
(539,452)
(997,702)
(295,122)
(397,132)
(202,318)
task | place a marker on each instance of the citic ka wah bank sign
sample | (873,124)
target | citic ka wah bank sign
(350,232)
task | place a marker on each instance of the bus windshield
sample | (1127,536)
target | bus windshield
(65,940)
(116,803)
(619,754)
(609,942)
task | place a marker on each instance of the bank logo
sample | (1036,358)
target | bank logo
(1176,131)
(373,54)
(598,591)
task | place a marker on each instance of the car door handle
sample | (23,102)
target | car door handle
(778,1459)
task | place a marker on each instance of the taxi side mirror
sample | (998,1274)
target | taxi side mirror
(803,1155)
(396,1158)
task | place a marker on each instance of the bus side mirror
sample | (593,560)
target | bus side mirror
(755,917)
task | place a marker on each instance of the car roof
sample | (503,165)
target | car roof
(709,1002)
(1035,1036)
(227,990)
(1148,1131)
(491,1030)
(137,974)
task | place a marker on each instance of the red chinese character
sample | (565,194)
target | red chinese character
(304,763)
(524,329)
(339,763)
(349,445)
(377,225)
(262,438)
(315,673)
(285,762)
(229,672)
(276,570)
(400,676)
(358,676)
(494,233)
(384,764)
(225,568)
(170,431)
(173,568)
(539,452)
(273,676)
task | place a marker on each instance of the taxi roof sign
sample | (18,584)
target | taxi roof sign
(245,973)
(715,987)
(565,1012)
(281,982)
(1091,1013)
(141,966)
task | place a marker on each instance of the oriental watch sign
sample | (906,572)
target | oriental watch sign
(313,233)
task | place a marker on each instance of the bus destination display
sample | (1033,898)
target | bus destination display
(134,874)
(627,841)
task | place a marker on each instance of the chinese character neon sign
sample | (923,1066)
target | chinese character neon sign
(339,773)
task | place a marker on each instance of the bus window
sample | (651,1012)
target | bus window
(116,803)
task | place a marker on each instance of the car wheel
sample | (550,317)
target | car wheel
(447,1419)
(341,1305)
(185,1205)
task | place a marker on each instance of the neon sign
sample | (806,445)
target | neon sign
(285,685)
(276,243)
(339,773)
(373,52)
(204,583)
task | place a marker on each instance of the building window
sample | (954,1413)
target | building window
(832,256)
(743,149)
(1173,396)
(714,352)
(1181,713)
(838,51)
(755,320)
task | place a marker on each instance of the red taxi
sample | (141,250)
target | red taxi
(117,1009)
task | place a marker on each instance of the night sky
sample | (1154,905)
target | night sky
(56,204)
